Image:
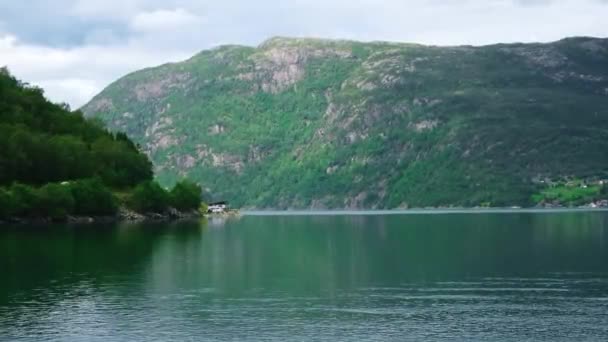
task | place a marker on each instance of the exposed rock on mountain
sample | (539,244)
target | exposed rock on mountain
(299,123)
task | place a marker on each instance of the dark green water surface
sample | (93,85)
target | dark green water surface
(436,277)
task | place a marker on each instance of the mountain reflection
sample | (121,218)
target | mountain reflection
(314,273)
(318,254)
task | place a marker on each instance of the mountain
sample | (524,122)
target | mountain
(310,123)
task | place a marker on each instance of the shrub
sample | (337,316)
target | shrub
(203,208)
(149,197)
(8,204)
(55,201)
(25,200)
(92,197)
(186,195)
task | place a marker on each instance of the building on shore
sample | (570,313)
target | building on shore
(217,208)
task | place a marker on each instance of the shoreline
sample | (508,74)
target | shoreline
(422,211)
(177,216)
(123,215)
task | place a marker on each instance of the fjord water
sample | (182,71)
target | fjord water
(455,276)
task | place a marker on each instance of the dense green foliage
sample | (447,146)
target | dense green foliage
(91,197)
(7,204)
(41,142)
(57,201)
(55,163)
(185,195)
(310,123)
(23,200)
(149,197)
(569,195)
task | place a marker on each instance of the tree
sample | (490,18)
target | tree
(119,165)
(68,158)
(25,200)
(92,197)
(149,197)
(186,195)
(120,136)
(8,205)
(55,201)
(42,142)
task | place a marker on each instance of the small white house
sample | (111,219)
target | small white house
(217,208)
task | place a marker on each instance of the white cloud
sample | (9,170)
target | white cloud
(172,21)
(75,75)
(105,9)
(72,90)
(73,48)
(7,42)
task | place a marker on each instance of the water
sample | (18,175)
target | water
(449,277)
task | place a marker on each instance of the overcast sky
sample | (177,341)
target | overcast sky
(74,48)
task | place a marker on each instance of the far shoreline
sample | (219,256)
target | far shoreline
(430,211)
(158,218)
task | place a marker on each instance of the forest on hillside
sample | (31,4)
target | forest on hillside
(314,123)
(55,163)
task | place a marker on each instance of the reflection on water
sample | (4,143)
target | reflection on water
(511,276)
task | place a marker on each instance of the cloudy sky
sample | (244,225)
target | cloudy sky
(74,48)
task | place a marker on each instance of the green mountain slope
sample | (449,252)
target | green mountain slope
(298,123)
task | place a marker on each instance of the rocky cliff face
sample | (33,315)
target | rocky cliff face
(299,123)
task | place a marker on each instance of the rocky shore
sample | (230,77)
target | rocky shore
(599,204)
(123,215)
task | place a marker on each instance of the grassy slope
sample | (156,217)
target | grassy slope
(371,124)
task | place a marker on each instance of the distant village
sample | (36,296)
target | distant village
(592,191)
